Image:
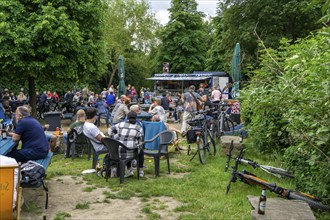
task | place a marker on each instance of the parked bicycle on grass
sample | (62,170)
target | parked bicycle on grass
(275,171)
(251,179)
(223,123)
(201,135)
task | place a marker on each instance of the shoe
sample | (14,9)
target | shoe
(141,173)
(129,173)
(134,163)
(114,172)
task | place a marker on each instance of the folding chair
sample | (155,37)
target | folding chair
(7,184)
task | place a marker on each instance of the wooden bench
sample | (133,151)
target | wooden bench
(45,163)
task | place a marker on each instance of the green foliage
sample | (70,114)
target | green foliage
(184,38)
(130,31)
(62,216)
(239,21)
(287,109)
(83,205)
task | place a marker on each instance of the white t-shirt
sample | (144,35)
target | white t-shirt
(216,94)
(159,110)
(91,131)
(8,161)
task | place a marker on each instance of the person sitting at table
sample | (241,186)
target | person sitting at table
(91,131)
(121,112)
(28,130)
(119,102)
(158,111)
(131,135)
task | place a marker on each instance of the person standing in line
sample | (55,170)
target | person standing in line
(216,94)
(190,106)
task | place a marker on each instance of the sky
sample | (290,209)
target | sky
(160,7)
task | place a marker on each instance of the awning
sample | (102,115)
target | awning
(178,78)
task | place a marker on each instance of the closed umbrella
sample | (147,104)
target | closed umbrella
(121,75)
(236,70)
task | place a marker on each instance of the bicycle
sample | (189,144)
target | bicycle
(223,124)
(275,171)
(201,136)
(251,179)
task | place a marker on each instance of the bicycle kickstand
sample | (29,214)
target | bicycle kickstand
(194,155)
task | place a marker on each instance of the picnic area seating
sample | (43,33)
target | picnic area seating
(117,153)
(96,154)
(165,138)
(77,138)
(151,129)
(45,163)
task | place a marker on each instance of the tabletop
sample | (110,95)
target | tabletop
(6,145)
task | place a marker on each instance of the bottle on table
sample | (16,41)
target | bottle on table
(262,203)
(57,131)
(4,135)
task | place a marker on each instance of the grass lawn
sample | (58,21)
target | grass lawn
(199,188)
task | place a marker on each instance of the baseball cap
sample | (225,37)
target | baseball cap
(131,115)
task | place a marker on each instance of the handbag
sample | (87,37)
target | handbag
(198,104)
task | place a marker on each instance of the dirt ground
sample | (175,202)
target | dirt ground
(65,192)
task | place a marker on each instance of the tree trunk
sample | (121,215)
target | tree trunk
(111,77)
(32,94)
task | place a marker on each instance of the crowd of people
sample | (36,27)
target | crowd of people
(125,126)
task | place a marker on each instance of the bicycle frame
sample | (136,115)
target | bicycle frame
(252,179)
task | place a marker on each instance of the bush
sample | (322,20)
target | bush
(286,109)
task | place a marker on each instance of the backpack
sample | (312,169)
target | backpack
(32,173)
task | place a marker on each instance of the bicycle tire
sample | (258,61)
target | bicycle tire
(276,171)
(311,202)
(211,147)
(228,126)
(201,149)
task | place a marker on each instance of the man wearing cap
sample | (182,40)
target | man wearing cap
(131,135)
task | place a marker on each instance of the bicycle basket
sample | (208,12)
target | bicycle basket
(191,137)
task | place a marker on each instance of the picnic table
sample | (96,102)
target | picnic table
(6,145)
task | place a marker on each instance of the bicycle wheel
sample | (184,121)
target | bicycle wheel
(228,126)
(310,201)
(210,143)
(201,149)
(277,171)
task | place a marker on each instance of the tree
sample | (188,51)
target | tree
(244,21)
(130,31)
(184,43)
(51,40)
